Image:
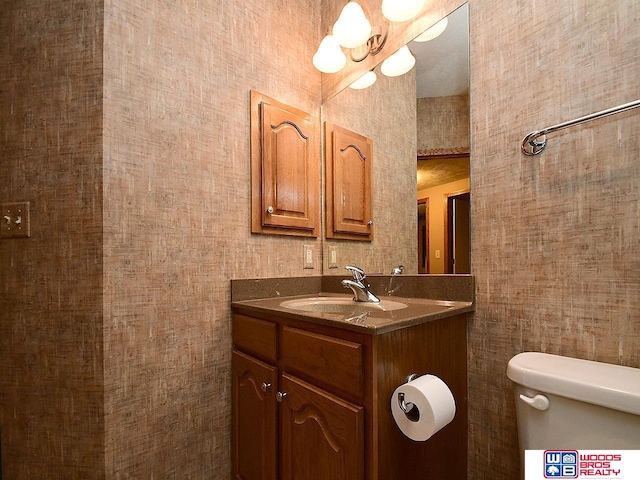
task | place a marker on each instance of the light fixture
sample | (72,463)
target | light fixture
(352,28)
(329,58)
(365,81)
(401,10)
(353,31)
(399,63)
(433,31)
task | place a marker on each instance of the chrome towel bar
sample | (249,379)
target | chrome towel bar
(535,142)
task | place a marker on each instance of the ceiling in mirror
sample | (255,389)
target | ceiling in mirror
(438,171)
(442,67)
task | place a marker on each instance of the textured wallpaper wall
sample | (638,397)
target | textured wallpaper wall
(555,238)
(443,122)
(51,347)
(177,215)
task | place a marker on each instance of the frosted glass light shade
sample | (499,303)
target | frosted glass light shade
(352,28)
(399,63)
(365,81)
(401,10)
(329,58)
(433,32)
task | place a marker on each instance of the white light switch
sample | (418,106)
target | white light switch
(333,257)
(308,256)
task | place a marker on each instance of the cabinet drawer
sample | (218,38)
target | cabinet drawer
(255,336)
(333,362)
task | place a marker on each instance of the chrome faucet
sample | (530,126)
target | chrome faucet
(360,289)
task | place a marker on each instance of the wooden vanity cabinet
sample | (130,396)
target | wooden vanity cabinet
(312,402)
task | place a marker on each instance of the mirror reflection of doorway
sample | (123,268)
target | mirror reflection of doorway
(458,233)
(423,235)
(440,177)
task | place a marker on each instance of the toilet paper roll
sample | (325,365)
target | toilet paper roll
(434,402)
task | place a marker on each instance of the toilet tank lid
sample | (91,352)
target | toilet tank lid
(604,384)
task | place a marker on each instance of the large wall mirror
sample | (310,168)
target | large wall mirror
(419,124)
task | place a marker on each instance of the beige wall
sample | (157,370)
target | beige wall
(437,209)
(443,122)
(177,215)
(51,346)
(555,238)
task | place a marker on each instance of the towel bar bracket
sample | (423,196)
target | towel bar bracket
(535,142)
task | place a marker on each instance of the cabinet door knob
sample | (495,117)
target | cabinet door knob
(270,209)
(280,396)
(265,386)
(370,222)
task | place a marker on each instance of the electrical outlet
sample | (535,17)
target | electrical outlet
(308,256)
(437,253)
(14,220)
(333,257)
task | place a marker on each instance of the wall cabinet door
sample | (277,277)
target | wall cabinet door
(349,158)
(254,419)
(321,435)
(285,169)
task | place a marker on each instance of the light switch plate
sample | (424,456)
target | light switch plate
(14,220)
(308,256)
(333,257)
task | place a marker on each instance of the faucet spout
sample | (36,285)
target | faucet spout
(360,291)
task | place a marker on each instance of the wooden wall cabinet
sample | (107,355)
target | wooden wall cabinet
(349,158)
(285,169)
(313,402)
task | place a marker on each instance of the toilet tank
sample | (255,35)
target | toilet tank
(569,403)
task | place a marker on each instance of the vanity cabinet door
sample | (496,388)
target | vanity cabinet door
(321,435)
(348,170)
(254,419)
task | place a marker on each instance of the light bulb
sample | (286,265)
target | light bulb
(329,58)
(352,28)
(401,10)
(432,32)
(364,81)
(399,63)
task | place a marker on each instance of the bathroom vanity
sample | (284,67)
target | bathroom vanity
(312,387)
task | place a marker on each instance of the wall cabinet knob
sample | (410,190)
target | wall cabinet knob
(270,210)
(280,396)
(370,222)
(265,386)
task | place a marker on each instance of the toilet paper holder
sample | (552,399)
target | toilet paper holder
(409,409)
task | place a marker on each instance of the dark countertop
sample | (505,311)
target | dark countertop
(362,317)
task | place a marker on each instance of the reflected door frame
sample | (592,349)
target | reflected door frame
(449,268)
(423,238)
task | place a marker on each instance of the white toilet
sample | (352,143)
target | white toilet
(568,403)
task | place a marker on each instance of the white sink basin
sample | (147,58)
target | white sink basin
(340,305)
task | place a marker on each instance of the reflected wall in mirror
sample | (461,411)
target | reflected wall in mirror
(404,121)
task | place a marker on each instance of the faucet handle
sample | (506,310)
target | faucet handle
(358,273)
(397,270)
